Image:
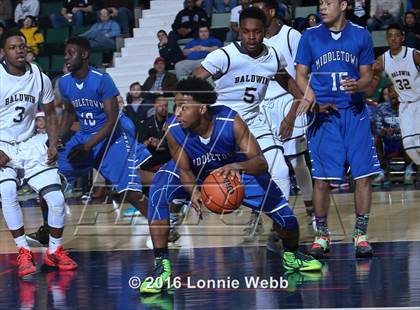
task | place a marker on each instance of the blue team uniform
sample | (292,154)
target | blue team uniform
(261,192)
(344,136)
(116,158)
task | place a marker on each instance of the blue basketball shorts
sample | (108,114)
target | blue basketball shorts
(261,194)
(342,139)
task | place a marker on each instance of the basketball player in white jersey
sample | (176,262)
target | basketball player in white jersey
(277,102)
(402,65)
(242,71)
(23,86)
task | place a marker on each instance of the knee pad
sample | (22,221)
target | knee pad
(284,218)
(56,209)
(11,209)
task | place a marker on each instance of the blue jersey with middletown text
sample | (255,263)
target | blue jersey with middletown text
(87,96)
(332,57)
(207,155)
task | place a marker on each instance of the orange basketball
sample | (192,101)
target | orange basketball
(221,194)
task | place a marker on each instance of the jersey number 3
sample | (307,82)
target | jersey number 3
(19,117)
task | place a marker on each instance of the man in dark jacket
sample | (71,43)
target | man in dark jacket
(170,51)
(187,22)
(159,80)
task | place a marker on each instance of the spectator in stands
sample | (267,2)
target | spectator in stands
(234,20)
(6,11)
(195,51)
(122,12)
(25,8)
(73,12)
(388,135)
(103,33)
(137,109)
(383,13)
(358,11)
(159,80)
(220,6)
(152,133)
(32,35)
(170,51)
(187,22)
(40,126)
(411,30)
(311,20)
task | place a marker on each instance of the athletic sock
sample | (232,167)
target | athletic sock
(161,253)
(54,244)
(322,224)
(362,221)
(21,242)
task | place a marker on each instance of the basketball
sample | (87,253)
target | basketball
(222,195)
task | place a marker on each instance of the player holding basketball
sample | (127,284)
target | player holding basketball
(23,85)
(242,72)
(208,139)
(277,102)
(339,54)
(402,64)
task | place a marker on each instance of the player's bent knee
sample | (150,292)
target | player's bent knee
(56,208)
(8,190)
(285,218)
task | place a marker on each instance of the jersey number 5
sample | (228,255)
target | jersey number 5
(19,117)
(249,97)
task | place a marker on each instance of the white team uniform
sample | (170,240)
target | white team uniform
(241,82)
(278,101)
(19,97)
(405,75)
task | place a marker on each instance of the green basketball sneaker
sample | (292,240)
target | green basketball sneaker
(160,278)
(299,261)
(361,244)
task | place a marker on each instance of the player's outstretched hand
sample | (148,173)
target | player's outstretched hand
(229,171)
(3,158)
(197,203)
(350,86)
(52,155)
(286,128)
(78,154)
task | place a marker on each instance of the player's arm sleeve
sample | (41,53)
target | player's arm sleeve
(367,56)
(108,88)
(304,52)
(216,63)
(47,95)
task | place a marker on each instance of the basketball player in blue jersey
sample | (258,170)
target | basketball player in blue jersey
(103,142)
(339,56)
(206,139)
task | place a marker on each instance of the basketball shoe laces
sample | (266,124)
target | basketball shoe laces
(25,259)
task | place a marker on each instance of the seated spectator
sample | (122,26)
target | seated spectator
(234,20)
(195,51)
(40,126)
(411,30)
(311,20)
(220,6)
(6,12)
(137,109)
(121,12)
(187,22)
(358,12)
(103,33)
(170,51)
(388,134)
(152,133)
(73,12)
(32,35)
(383,13)
(159,80)
(25,8)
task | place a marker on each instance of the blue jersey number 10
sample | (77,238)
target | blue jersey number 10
(88,119)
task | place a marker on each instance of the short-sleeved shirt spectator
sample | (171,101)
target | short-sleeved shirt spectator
(201,54)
